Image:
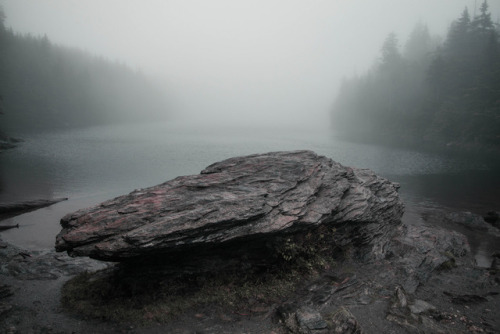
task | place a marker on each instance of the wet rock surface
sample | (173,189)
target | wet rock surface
(408,291)
(493,217)
(420,278)
(30,283)
(40,265)
(244,200)
(428,283)
(469,220)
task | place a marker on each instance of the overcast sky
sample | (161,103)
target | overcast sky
(245,61)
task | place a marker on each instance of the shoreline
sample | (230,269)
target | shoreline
(35,292)
(413,215)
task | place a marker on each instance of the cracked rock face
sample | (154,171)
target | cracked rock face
(238,199)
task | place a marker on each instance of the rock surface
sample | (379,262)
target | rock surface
(493,217)
(468,219)
(351,297)
(236,200)
(13,209)
(7,142)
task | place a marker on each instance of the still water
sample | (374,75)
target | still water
(91,165)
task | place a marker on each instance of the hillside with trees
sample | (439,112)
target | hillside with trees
(430,93)
(47,86)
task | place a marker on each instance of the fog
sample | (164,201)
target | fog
(244,62)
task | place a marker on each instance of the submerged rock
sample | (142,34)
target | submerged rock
(240,200)
(468,219)
(7,142)
(8,210)
(493,217)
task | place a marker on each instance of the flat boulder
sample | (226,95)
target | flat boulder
(234,201)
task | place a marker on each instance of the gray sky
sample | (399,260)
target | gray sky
(242,61)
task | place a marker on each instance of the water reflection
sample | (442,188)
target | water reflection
(471,190)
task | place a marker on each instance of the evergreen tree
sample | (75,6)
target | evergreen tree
(458,38)
(483,32)
(419,46)
(390,52)
(436,76)
(452,99)
(482,24)
(48,86)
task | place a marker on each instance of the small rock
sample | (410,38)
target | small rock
(409,315)
(310,319)
(465,298)
(420,306)
(493,217)
(495,263)
(400,299)
(344,322)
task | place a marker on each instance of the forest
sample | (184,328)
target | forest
(45,86)
(431,93)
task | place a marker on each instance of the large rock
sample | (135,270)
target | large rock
(236,200)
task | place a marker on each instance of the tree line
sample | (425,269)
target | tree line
(431,92)
(47,86)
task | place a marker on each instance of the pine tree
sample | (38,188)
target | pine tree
(390,51)
(419,44)
(452,99)
(458,39)
(482,24)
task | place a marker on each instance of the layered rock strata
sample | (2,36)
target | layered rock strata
(236,200)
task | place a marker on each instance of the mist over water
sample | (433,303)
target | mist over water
(238,62)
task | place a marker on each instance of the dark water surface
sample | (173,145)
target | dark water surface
(91,165)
